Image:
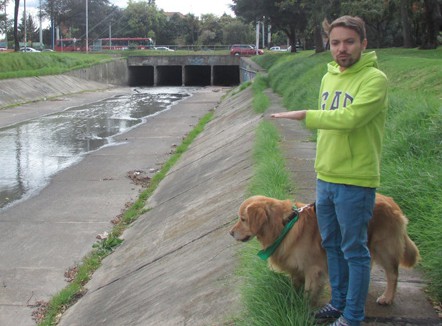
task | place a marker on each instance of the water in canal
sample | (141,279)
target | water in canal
(33,151)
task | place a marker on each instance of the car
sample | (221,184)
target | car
(298,48)
(3,49)
(162,48)
(277,49)
(28,49)
(244,49)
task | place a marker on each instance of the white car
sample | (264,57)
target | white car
(162,48)
(277,49)
(28,49)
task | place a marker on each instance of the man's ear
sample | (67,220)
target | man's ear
(257,216)
(364,44)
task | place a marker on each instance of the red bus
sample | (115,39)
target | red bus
(69,45)
(123,43)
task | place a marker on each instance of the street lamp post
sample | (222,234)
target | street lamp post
(87,27)
(24,16)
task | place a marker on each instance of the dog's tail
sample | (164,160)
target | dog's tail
(411,252)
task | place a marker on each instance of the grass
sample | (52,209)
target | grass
(70,294)
(260,100)
(17,65)
(269,297)
(411,167)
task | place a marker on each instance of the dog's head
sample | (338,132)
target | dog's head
(259,216)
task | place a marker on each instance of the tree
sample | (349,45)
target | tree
(16,41)
(432,24)
(3,23)
(377,15)
(288,16)
(405,6)
(31,29)
(173,31)
(211,30)
(238,32)
(142,19)
(192,26)
(70,16)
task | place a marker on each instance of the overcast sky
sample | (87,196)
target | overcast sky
(196,7)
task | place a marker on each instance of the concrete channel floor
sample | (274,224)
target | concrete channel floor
(176,265)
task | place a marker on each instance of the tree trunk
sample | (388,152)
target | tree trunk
(291,35)
(16,41)
(406,28)
(319,42)
(432,20)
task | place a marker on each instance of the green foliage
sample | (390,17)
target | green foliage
(269,298)
(271,177)
(261,101)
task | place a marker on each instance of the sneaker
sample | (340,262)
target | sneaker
(327,312)
(340,322)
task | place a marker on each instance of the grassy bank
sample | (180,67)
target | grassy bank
(17,65)
(268,297)
(411,166)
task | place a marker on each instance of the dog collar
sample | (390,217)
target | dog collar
(266,253)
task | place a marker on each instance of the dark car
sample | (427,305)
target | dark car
(244,49)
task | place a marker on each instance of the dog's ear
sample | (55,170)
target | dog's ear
(257,216)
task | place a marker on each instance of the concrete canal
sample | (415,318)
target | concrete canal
(35,150)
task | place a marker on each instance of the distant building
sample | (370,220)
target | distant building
(169,15)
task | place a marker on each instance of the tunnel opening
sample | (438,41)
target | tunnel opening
(197,75)
(141,76)
(226,75)
(169,76)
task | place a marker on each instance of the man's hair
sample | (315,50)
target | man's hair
(355,23)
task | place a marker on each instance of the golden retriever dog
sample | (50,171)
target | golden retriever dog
(300,253)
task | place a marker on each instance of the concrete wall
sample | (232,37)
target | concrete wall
(30,89)
(19,91)
(114,72)
(248,69)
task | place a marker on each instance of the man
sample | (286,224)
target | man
(350,123)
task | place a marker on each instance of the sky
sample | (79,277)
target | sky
(196,7)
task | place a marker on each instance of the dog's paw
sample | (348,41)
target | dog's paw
(384,301)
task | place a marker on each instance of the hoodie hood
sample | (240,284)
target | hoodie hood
(368,59)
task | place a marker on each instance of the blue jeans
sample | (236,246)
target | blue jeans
(343,214)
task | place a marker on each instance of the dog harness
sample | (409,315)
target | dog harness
(293,218)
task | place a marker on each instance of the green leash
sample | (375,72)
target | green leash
(266,253)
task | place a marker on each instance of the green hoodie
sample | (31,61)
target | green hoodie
(350,119)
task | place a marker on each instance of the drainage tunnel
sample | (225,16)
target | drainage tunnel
(226,75)
(197,76)
(184,76)
(188,70)
(169,76)
(141,76)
